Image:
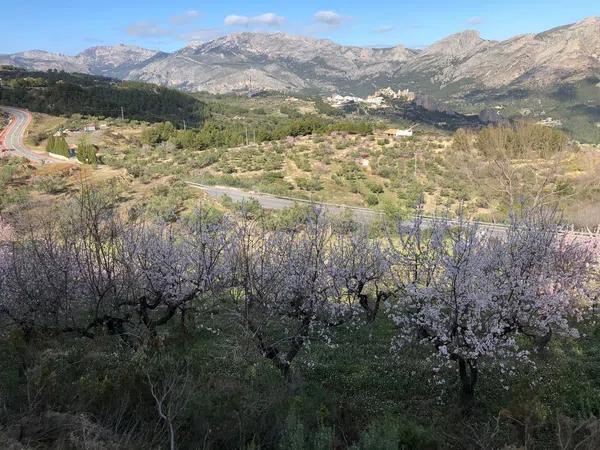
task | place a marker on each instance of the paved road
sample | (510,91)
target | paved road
(362,215)
(268,201)
(13,136)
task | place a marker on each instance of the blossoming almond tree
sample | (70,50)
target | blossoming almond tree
(360,267)
(95,273)
(292,287)
(6,235)
(473,294)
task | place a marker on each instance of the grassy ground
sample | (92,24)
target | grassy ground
(359,393)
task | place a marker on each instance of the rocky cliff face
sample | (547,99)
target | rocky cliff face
(112,61)
(255,61)
(530,60)
(251,61)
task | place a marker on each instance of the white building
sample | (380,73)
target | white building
(405,133)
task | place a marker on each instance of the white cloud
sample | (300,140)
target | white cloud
(178,27)
(185,18)
(383,29)
(475,20)
(145,29)
(236,20)
(330,18)
(270,19)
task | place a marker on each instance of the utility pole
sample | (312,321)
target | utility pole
(246,127)
(415,164)
(184,125)
(122,114)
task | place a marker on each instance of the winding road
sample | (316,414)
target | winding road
(11,137)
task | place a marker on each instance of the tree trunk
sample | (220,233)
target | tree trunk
(468,378)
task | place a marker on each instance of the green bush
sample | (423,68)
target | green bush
(396,433)
(374,187)
(371,199)
(312,184)
(51,184)
(521,140)
(158,133)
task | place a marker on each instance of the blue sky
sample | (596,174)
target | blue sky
(70,26)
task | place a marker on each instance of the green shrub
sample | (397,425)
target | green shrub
(351,172)
(51,184)
(158,133)
(371,199)
(312,184)
(393,433)
(86,152)
(374,187)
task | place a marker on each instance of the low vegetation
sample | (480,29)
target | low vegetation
(485,172)
(226,331)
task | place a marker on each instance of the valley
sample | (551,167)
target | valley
(283,146)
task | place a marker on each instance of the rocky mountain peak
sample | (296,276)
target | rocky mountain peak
(284,62)
(457,44)
(117,54)
(592,20)
(272,45)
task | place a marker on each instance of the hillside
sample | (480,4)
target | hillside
(524,77)
(61,93)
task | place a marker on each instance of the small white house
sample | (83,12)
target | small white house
(406,133)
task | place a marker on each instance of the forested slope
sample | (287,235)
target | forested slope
(61,93)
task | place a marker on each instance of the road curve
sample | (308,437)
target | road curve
(13,136)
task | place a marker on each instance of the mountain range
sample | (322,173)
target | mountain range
(257,61)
